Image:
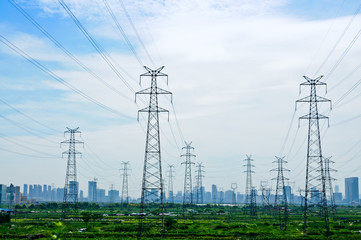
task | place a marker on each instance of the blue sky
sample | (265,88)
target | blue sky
(234,68)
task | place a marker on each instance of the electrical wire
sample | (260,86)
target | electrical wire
(57,78)
(102,52)
(67,52)
(119,27)
(136,32)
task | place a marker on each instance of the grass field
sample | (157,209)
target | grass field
(195,222)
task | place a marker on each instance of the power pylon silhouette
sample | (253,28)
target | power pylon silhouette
(329,189)
(125,196)
(70,199)
(188,190)
(170,183)
(250,189)
(315,189)
(199,183)
(152,183)
(281,204)
(266,191)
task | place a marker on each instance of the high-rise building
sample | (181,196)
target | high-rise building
(25,190)
(3,189)
(214,193)
(352,190)
(92,191)
(337,189)
(228,196)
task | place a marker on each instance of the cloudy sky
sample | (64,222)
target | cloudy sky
(234,69)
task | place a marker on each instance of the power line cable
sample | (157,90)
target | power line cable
(102,52)
(27,116)
(136,32)
(57,78)
(339,39)
(119,27)
(67,52)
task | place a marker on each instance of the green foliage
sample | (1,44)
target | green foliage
(4,218)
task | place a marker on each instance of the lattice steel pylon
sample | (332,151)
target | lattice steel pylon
(125,195)
(250,189)
(70,199)
(329,189)
(281,204)
(152,183)
(199,183)
(315,187)
(188,190)
(170,183)
(266,191)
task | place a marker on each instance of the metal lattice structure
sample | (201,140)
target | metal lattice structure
(266,192)
(125,175)
(250,189)
(70,199)
(170,183)
(152,183)
(199,183)
(188,190)
(329,189)
(315,201)
(281,203)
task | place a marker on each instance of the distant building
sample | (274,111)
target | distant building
(3,189)
(351,190)
(92,191)
(25,190)
(214,193)
(101,195)
(337,189)
(337,196)
(228,196)
(289,194)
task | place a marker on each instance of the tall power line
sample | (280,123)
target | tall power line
(199,183)
(250,189)
(315,187)
(265,191)
(329,179)
(281,205)
(170,183)
(125,196)
(188,190)
(70,199)
(152,183)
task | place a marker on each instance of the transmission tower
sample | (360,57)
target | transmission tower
(199,184)
(170,183)
(281,205)
(125,196)
(152,184)
(234,187)
(329,179)
(315,187)
(250,190)
(188,191)
(70,199)
(266,191)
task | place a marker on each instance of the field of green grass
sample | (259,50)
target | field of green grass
(116,221)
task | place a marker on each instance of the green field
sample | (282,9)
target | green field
(114,221)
